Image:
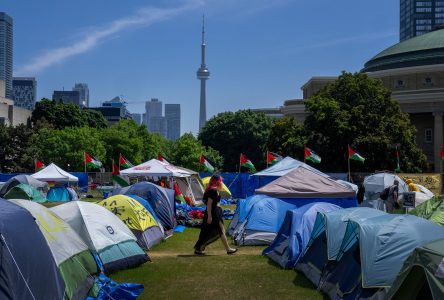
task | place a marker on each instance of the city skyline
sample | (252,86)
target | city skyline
(260,52)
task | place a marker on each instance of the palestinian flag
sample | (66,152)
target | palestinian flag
(352,154)
(246,163)
(178,193)
(92,162)
(161,158)
(117,178)
(441,154)
(124,163)
(398,167)
(311,155)
(38,165)
(208,167)
(273,158)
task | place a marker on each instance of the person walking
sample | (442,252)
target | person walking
(392,202)
(213,223)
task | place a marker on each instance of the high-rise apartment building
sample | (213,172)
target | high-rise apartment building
(6,52)
(158,125)
(67,97)
(172,116)
(153,109)
(24,92)
(419,17)
(83,90)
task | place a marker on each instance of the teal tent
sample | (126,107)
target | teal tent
(25,192)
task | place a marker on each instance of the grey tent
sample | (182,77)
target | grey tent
(302,186)
(16,180)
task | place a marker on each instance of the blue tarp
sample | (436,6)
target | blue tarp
(110,290)
(294,234)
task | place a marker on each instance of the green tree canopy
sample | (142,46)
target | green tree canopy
(94,118)
(16,149)
(287,138)
(186,152)
(231,133)
(357,110)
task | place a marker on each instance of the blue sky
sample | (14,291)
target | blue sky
(259,52)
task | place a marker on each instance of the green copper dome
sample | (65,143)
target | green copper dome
(426,49)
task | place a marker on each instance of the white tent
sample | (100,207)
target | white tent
(54,173)
(156,168)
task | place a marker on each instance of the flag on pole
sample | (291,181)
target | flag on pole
(178,193)
(398,167)
(161,158)
(273,158)
(246,163)
(92,162)
(441,154)
(38,165)
(352,154)
(117,178)
(124,163)
(208,167)
(311,155)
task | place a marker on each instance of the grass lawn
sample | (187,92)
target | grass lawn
(176,273)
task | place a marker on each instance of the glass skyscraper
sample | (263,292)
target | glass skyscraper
(83,90)
(172,115)
(24,92)
(419,17)
(6,52)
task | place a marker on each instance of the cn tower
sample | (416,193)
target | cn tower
(203,75)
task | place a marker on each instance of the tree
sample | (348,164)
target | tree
(186,152)
(94,118)
(287,137)
(16,151)
(358,111)
(241,132)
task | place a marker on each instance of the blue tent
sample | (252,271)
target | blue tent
(160,199)
(27,268)
(304,185)
(243,207)
(373,252)
(295,232)
(262,222)
(60,193)
(326,239)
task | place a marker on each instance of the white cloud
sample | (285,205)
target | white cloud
(143,18)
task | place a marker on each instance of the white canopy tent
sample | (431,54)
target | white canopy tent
(156,168)
(53,173)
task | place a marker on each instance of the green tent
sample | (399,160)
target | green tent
(26,192)
(422,275)
(432,210)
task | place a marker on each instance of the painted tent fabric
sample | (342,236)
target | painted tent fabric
(137,218)
(104,233)
(422,275)
(75,261)
(294,234)
(25,191)
(160,199)
(27,269)
(16,180)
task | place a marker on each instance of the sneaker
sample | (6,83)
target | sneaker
(232,251)
(197,252)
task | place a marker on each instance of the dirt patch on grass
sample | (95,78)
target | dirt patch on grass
(210,252)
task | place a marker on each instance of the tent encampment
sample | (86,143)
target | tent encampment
(61,193)
(26,192)
(302,186)
(137,218)
(373,252)
(295,232)
(75,261)
(104,233)
(262,222)
(326,239)
(27,269)
(160,199)
(432,210)
(53,173)
(422,275)
(27,179)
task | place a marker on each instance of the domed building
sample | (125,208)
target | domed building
(414,71)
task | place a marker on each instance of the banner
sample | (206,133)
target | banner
(432,181)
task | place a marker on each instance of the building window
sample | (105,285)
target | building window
(428,138)
(399,84)
(427,81)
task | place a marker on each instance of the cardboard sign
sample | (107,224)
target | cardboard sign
(409,200)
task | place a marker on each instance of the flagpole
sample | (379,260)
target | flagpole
(304,154)
(240,162)
(348,160)
(84,160)
(120,155)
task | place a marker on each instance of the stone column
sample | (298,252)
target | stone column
(438,140)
